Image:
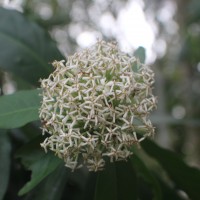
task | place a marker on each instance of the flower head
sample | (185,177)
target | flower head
(95,104)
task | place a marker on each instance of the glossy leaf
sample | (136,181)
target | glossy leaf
(52,187)
(106,185)
(185,177)
(5,150)
(126,181)
(169,192)
(117,182)
(144,172)
(36,160)
(90,185)
(19,108)
(27,49)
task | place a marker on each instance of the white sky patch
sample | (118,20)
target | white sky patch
(108,24)
(135,30)
(14,4)
(87,38)
(131,30)
(167,11)
(166,14)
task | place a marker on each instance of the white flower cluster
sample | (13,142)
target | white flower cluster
(95,104)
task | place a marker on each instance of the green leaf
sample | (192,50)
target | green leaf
(117,182)
(106,185)
(126,181)
(140,54)
(36,160)
(26,49)
(168,192)
(144,172)
(5,149)
(185,177)
(19,108)
(52,187)
(90,185)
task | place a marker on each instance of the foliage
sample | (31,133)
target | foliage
(22,105)
(5,150)
(32,48)
(152,173)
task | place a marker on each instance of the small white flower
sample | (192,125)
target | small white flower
(95,104)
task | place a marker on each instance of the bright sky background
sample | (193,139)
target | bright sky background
(130,28)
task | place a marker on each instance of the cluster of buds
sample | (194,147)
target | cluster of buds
(96,105)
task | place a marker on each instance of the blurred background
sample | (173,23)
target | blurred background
(169,30)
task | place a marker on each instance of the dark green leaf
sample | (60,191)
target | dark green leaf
(27,49)
(126,181)
(168,192)
(185,177)
(41,164)
(147,176)
(77,183)
(19,108)
(52,187)
(31,152)
(90,186)
(106,185)
(140,54)
(117,182)
(5,149)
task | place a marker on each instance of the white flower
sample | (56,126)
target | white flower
(95,104)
